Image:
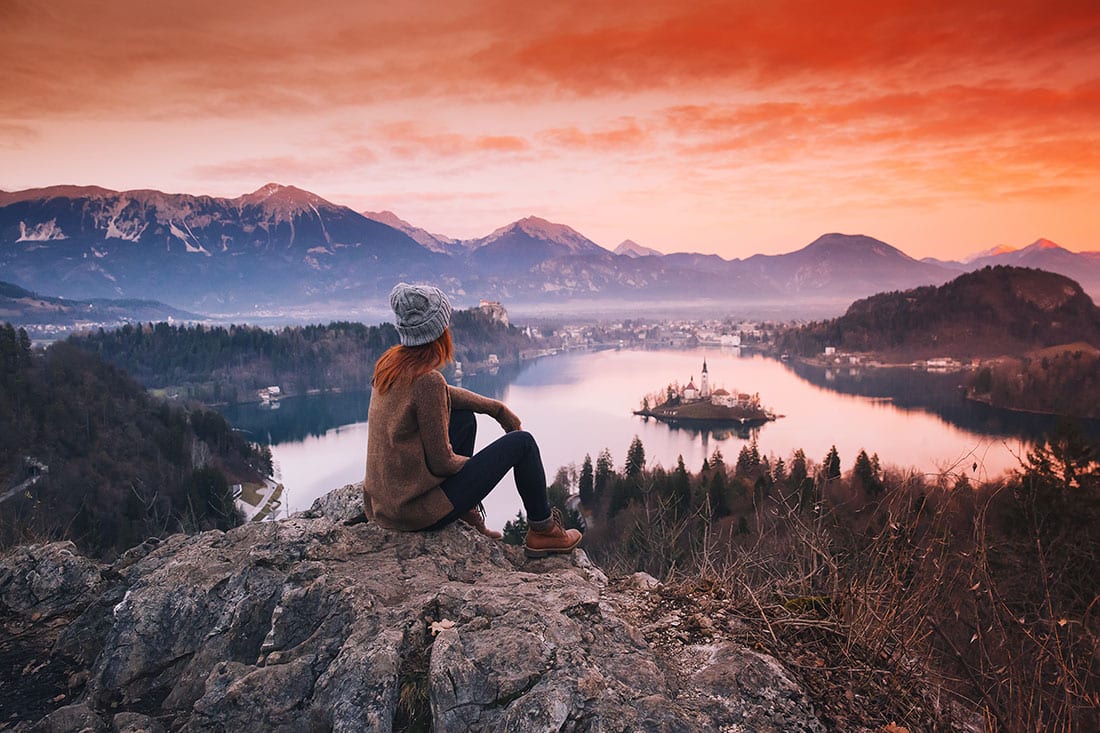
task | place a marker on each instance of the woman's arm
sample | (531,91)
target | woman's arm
(433,412)
(464,399)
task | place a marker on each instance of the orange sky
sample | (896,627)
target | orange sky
(728,127)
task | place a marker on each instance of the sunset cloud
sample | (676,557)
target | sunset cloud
(411,139)
(279,167)
(648,112)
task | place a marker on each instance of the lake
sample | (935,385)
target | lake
(581,402)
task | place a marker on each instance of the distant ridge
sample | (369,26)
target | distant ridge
(1000,249)
(22,307)
(844,262)
(1083,267)
(631,248)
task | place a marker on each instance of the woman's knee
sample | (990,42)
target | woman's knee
(524,438)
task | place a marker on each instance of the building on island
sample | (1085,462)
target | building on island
(720,397)
(690,393)
(703,403)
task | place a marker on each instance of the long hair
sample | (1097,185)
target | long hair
(400,365)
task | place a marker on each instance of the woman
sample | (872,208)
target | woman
(422,473)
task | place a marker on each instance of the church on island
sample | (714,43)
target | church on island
(692,403)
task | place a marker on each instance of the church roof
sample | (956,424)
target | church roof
(720,392)
(691,385)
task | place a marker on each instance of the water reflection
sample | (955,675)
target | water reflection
(298,418)
(579,403)
(939,393)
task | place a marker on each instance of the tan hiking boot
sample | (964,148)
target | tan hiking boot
(552,540)
(476,519)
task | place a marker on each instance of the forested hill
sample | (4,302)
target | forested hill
(38,312)
(990,312)
(228,364)
(86,454)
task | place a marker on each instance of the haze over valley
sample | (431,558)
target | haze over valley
(281,249)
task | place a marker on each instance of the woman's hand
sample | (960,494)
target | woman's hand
(508,419)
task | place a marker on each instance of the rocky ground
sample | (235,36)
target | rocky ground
(316,624)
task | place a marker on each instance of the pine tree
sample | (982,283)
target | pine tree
(719,502)
(586,484)
(680,487)
(605,470)
(832,464)
(635,459)
(866,475)
(717,460)
(799,480)
(744,462)
(515,530)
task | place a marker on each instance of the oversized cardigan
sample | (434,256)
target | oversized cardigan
(409,451)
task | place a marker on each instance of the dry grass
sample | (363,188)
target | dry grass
(901,610)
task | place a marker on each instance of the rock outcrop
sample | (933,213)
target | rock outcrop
(317,623)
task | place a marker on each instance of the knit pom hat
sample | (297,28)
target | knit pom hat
(423,313)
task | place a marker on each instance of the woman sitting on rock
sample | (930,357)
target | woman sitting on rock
(422,473)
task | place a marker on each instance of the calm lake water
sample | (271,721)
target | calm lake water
(582,402)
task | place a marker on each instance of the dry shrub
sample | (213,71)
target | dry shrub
(922,606)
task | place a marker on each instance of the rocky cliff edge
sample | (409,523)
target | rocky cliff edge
(317,624)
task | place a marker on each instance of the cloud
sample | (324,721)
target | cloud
(976,138)
(412,139)
(626,134)
(748,45)
(16,136)
(131,57)
(286,167)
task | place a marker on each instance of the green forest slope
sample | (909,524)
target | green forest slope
(86,454)
(228,364)
(990,312)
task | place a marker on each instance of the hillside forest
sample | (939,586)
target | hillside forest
(86,454)
(890,592)
(216,364)
(1032,338)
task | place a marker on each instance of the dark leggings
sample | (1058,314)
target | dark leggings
(516,450)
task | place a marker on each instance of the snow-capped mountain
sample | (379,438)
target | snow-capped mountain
(278,244)
(1000,249)
(1043,254)
(630,248)
(281,247)
(434,242)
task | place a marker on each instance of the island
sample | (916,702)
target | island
(701,405)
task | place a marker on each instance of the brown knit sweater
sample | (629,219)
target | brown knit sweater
(409,452)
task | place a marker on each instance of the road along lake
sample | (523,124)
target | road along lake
(581,402)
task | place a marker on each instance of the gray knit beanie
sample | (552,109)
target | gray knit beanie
(423,313)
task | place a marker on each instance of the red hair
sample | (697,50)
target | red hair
(400,365)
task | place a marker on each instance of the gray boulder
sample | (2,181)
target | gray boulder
(315,624)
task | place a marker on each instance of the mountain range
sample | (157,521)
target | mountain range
(280,248)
